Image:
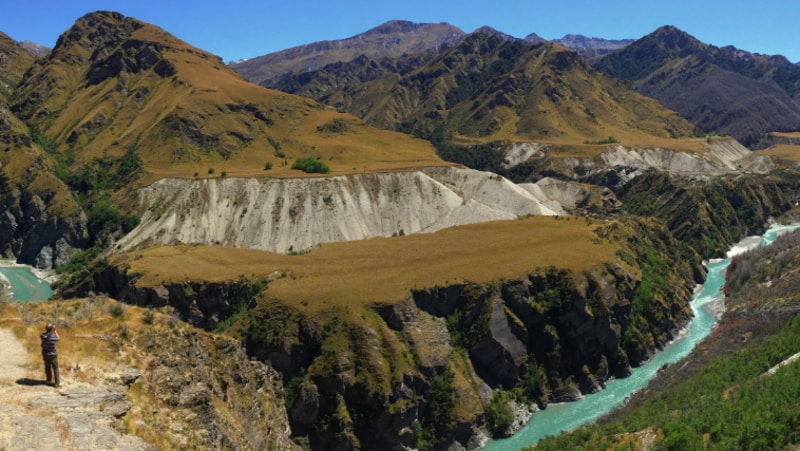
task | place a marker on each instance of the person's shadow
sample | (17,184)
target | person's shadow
(30,382)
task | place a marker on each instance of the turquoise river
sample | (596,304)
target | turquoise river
(24,283)
(706,301)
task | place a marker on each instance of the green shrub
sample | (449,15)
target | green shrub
(498,415)
(148,317)
(609,140)
(311,165)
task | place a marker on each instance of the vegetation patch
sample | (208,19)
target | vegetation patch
(311,165)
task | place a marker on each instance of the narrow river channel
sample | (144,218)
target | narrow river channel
(24,284)
(706,301)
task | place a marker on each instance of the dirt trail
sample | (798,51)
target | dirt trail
(78,416)
(12,365)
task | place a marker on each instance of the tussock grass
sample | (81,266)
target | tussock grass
(91,334)
(384,269)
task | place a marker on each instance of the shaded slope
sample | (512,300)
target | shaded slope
(391,39)
(14,60)
(41,223)
(722,90)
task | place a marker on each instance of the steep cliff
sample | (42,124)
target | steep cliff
(422,371)
(40,224)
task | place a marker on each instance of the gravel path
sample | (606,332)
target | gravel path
(12,365)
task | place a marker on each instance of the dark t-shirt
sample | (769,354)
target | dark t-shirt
(49,340)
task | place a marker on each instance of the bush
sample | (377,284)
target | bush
(267,165)
(609,140)
(311,165)
(498,415)
(116,310)
(148,317)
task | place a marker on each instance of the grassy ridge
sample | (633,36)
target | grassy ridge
(385,269)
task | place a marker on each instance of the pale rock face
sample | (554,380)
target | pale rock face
(723,157)
(284,215)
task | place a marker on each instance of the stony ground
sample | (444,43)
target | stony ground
(77,416)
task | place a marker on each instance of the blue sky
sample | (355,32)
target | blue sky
(235,29)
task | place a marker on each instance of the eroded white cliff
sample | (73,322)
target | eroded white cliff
(284,215)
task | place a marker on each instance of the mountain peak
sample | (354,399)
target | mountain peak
(400,26)
(495,32)
(534,39)
(672,38)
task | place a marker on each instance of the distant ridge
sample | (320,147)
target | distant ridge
(14,60)
(391,39)
(591,47)
(34,48)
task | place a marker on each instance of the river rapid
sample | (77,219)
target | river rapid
(707,305)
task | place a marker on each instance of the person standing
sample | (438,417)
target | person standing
(50,354)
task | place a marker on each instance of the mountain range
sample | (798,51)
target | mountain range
(721,90)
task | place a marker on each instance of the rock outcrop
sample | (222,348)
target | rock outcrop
(722,156)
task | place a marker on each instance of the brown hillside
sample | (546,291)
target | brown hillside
(14,60)
(722,90)
(114,84)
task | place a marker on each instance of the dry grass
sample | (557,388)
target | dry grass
(91,337)
(786,152)
(206,116)
(787,134)
(384,269)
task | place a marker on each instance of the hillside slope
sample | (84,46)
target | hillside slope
(723,90)
(14,60)
(126,384)
(487,89)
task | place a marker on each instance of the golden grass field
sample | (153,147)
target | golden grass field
(786,152)
(384,269)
